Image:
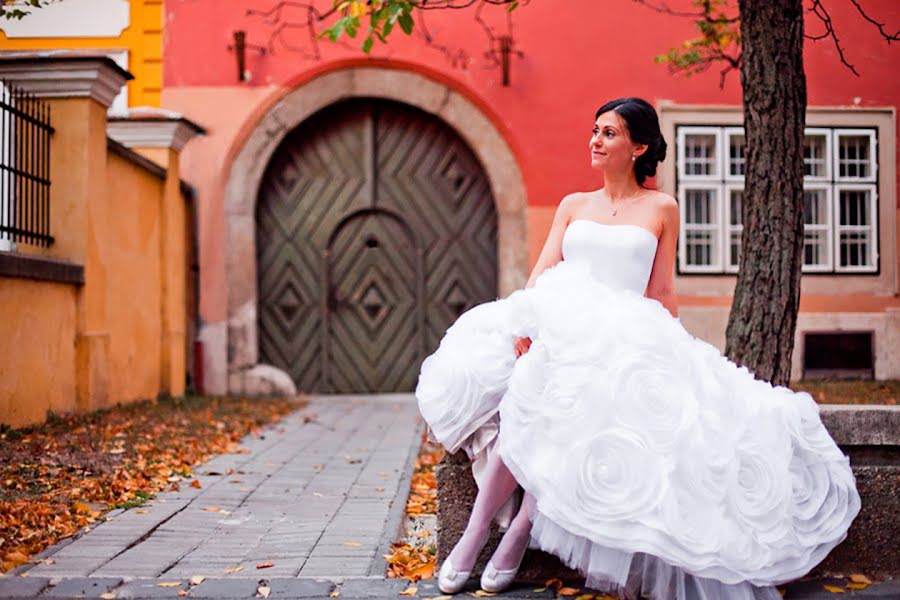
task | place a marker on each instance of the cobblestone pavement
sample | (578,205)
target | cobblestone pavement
(320,496)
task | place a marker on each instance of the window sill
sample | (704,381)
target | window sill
(40,268)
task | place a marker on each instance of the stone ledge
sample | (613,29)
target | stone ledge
(869,425)
(64,74)
(40,268)
(871,545)
(149,127)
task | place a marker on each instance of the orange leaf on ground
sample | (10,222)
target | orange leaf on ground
(833,589)
(265,565)
(196,484)
(568,591)
(554,583)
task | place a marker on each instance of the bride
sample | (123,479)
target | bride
(648,461)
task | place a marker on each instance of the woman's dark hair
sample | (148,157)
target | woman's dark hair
(643,127)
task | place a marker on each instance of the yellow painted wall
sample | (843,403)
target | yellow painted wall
(37,348)
(142,39)
(133,292)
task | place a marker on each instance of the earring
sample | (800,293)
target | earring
(633,157)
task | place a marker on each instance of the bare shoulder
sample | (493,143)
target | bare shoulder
(667,207)
(664,200)
(570,204)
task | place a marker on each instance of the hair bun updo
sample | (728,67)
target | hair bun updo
(643,127)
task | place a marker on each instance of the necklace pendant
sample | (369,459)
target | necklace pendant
(614,211)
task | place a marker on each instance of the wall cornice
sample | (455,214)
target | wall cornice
(147,127)
(64,74)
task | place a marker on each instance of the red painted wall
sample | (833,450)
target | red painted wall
(577,54)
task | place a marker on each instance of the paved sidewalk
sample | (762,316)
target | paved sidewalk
(320,494)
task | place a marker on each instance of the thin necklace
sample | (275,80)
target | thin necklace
(616,208)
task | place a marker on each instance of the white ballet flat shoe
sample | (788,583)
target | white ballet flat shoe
(450,580)
(495,580)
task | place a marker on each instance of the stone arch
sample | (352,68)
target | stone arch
(247,169)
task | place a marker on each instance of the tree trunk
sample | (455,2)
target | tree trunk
(763,317)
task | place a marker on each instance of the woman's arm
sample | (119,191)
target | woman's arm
(551,254)
(662,285)
(552,250)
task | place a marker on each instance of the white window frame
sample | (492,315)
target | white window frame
(716,266)
(728,228)
(723,183)
(829,154)
(683,132)
(828,226)
(873,155)
(727,134)
(838,228)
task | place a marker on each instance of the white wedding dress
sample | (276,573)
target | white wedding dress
(659,467)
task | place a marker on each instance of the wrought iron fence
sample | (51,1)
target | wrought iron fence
(24,168)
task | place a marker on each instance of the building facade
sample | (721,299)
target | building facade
(351,206)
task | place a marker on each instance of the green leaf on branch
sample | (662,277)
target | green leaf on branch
(406,23)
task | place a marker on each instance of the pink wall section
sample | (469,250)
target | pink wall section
(575,58)
(577,54)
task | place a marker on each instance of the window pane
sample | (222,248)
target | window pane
(736,155)
(735,216)
(700,207)
(700,154)
(815,247)
(854,207)
(854,154)
(700,247)
(815,207)
(855,248)
(735,242)
(814,147)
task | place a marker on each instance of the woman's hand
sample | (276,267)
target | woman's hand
(521,345)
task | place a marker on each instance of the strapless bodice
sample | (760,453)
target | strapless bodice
(620,256)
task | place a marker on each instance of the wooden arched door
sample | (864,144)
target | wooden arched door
(376,229)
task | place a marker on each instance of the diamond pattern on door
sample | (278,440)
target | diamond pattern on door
(376,229)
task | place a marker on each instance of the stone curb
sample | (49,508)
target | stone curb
(283,588)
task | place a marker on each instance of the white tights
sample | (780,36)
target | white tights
(498,485)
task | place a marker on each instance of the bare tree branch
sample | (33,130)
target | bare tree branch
(821,12)
(889,37)
(286,26)
(663,7)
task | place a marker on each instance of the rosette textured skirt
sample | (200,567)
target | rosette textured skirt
(658,467)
